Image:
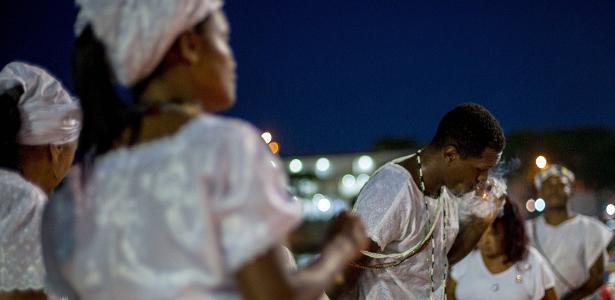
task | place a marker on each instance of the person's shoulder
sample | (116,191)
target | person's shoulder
(534,256)
(590,223)
(220,136)
(14,187)
(459,269)
(391,174)
(220,127)
(389,179)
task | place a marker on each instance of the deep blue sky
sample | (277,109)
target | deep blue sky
(329,76)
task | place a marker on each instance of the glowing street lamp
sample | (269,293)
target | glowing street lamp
(541,162)
(274,147)
(267,137)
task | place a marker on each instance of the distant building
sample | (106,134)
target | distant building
(329,183)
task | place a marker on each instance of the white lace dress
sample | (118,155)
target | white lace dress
(21,209)
(392,208)
(177,217)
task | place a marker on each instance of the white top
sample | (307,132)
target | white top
(525,280)
(21,209)
(572,247)
(177,217)
(393,209)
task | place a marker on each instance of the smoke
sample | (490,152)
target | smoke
(505,167)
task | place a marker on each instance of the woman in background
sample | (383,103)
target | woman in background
(504,266)
(39,128)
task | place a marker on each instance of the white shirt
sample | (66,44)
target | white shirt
(392,208)
(177,217)
(21,209)
(476,282)
(572,247)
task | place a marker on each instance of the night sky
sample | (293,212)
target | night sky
(330,76)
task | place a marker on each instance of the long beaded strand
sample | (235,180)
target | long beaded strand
(433,243)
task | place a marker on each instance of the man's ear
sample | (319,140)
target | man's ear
(189,45)
(55,151)
(450,153)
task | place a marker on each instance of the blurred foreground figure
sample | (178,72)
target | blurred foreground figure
(170,201)
(39,128)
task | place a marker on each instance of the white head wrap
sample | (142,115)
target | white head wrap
(49,115)
(138,33)
(554,170)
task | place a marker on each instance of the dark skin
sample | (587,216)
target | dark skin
(443,167)
(557,191)
(23,295)
(198,73)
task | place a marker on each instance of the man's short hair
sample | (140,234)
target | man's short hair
(471,128)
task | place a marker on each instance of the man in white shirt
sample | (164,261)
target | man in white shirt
(574,245)
(410,209)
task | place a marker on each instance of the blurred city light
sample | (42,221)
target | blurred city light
(324,204)
(323,166)
(540,204)
(530,205)
(274,147)
(295,166)
(364,164)
(267,137)
(610,209)
(362,180)
(348,180)
(541,162)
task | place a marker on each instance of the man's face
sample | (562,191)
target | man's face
(555,190)
(462,175)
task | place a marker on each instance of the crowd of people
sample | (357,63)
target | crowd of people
(166,200)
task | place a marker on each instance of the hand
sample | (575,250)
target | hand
(346,236)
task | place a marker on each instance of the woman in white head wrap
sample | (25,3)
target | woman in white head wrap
(39,127)
(172,202)
(574,245)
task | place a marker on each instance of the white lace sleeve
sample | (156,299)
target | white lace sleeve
(21,207)
(384,205)
(257,211)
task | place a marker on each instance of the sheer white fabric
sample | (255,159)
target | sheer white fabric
(392,208)
(175,218)
(572,247)
(21,208)
(49,115)
(476,282)
(138,33)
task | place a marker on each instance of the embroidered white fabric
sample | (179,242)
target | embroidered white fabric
(21,209)
(138,33)
(476,282)
(49,114)
(392,208)
(177,217)
(572,257)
